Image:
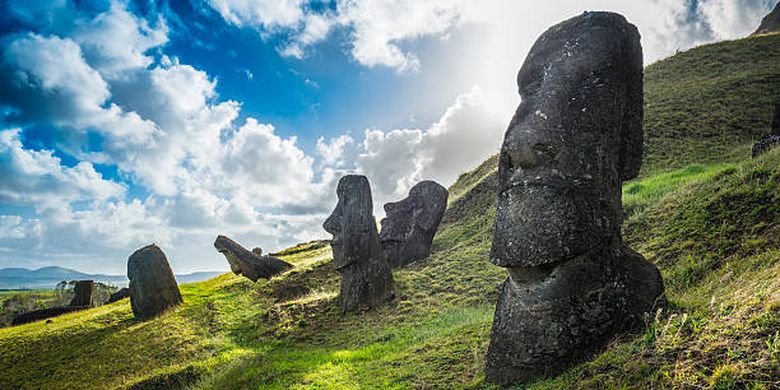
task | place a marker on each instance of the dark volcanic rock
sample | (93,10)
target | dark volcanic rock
(408,230)
(123,293)
(250,264)
(771,140)
(153,288)
(770,23)
(84,291)
(366,280)
(257,250)
(575,137)
(37,315)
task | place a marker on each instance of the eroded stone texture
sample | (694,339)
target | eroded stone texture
(153,287)
(773,139)
(250,264)
(122,293)
(770,23)
(366,279)
(408,229)
(84,294)
(575,137)
(257,250)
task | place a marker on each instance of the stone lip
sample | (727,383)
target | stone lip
(153,288)
(249,264)
(366,279)
(411,223)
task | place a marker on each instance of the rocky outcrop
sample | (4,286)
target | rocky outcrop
(770,23)
(576,136)
(84,294)
(153,288)
(122,293)
(249,264)
(772,139)
(408,229)
(366,279)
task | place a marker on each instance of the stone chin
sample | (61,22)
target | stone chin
(545,225)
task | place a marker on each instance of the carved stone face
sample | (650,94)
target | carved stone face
(352,222)
(576,135)
(410,224)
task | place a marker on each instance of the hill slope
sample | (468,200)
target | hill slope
(712,228)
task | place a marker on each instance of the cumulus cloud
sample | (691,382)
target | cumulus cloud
(38,178)
(467,133)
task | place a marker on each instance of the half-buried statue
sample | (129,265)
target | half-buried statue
(366,280)
(153,288)
(253,265)
(408,230)
(576,136)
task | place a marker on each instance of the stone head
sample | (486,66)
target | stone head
(352,222)
(421,211)
(576,135)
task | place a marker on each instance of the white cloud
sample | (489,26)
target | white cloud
(332,152)
(39,178)
(116,41)
(267,14)
(464,136)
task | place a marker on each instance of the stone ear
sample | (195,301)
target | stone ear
(631,129)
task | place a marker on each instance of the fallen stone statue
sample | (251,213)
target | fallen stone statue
(251,265)
(575,137)
(366,279)
(773,138)
(408,229)
(153,287)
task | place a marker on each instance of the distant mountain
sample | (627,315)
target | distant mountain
(48,277)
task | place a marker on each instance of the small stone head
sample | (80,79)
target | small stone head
(421,211)
(575,137)
(352,222)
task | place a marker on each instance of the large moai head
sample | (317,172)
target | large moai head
(410,224)
(575,137)
(352,222)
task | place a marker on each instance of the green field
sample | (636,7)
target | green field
(710,222)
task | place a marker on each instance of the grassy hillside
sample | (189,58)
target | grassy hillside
(712,227)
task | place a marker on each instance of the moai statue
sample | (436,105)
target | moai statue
(153,287)
(408,229)
(576,136)
(253,265)
(84,294)
(366,280)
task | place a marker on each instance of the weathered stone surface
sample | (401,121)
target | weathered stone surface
(575,137)
(153,288)
(366,279)
(122,293)
(770,23)
(408,229)
(250,264)
(257,250)
(37,315)
(84,294)
(773,139)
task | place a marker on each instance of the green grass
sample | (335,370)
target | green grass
(709,221)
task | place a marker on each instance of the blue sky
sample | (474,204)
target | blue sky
(124,123)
